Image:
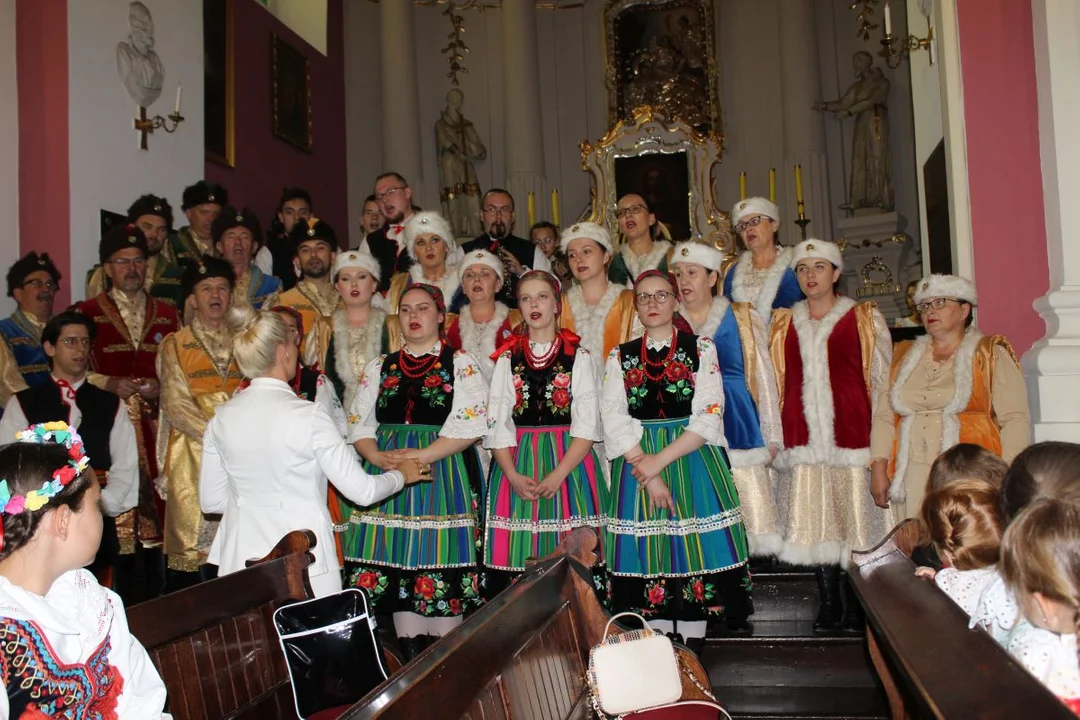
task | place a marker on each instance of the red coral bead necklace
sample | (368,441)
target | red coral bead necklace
(646,363)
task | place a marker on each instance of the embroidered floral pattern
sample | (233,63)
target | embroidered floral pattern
(556,392)
(373,581)
(677,380)
(470,413)
(435,387)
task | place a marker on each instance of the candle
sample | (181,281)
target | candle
(742,185)
(772,185)
(555,207)
(179,90)
(532,208)
(888,19)
(798,184)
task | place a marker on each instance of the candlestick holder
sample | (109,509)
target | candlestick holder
(896,48)
(147,125)
(802,222)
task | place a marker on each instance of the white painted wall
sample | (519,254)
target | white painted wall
(363,116)
(108,170)
(926,111)
(9,149)
(306,18)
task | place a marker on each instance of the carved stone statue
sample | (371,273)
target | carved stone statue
(871,164)
(458,144)
(136,62)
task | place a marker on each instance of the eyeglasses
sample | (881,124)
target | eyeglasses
(660,296)
(752,222)
(936,304)
(128,262)
(387,193)
(504,210)
(632,210)
(549,240)
(40,284)
(74,342)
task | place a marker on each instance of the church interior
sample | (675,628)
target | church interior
(920,136)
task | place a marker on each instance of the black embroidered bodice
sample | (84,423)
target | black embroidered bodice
(424,400)
(669,393)
(543,397)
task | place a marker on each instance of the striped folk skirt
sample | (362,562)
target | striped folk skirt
(417,550)
(690,565)
(518,529)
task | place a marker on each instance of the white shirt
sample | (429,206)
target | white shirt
(121,493)
(965,587)
(1050,657)
(264,260)
(75,617)
(267,456)
(996,612)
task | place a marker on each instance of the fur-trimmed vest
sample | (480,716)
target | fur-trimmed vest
(618,319)
(780,289)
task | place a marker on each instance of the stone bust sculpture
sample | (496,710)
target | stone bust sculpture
(458,145)
(138,66)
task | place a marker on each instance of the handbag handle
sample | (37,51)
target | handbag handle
(644,622)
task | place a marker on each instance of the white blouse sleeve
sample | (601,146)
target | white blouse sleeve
(468,415)
(326,398)
(621,430)
(585,391)
(362,422)
(501,430)
(121,493)
(707,407)
(339,463)
(768,401)
(143,694)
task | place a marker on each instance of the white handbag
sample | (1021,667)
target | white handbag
(632,671)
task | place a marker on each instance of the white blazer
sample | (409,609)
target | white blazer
(267,455)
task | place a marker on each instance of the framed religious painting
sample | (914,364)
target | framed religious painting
(291,94)
(662,55)
(218,105)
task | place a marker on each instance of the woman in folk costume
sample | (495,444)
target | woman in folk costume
(644,247)
(417,550)
(600,312)
(952,385)
(762,275)
(751,412)
(430,242)
(673,540)
(482,323)
(543,419)
(831,358)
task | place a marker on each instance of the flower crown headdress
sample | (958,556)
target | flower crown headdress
(43,433)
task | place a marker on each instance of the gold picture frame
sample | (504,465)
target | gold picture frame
(219,109)
(291,92)
(663,54)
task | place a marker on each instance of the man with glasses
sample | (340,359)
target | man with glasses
(517,254)
(130,325)
(153,215)
(387,244)
(33,282)
(99,416)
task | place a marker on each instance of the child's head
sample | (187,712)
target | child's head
(46,495)
(964,522)
(1040,561)
(966,461)
(1044,470)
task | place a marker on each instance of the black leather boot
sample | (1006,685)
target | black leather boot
(831,610)
(853,621)
(412,646)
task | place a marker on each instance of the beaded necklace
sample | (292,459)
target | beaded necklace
(646,363)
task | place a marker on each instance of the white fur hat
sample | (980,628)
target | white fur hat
(586,230)
(481,257)
(946,286)
(753,206)
(356,259)
(814,248)
(423,223)
(698,253)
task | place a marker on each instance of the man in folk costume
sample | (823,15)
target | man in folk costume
(277,256)
(314,246)
(202,204)
(130,325)
(236,237)
(153,216)
(517,254)
(197,373)
(99,416)
(33,282)
(831,358)
(387,245)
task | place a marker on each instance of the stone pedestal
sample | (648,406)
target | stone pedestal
(879,261)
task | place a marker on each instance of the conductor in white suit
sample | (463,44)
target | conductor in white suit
(268,454)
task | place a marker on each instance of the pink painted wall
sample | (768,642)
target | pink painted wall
(44,184)
(1001,115)
(264,163)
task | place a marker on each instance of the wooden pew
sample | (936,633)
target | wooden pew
(930,663)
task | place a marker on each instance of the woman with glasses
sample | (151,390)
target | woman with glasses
(430,243)
(762,275)
(673,534)
(482,323)
(952,385)
(644,247)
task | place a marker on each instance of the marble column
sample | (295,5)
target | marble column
(804,127)
(400,94)
(521,112)
(1052,365)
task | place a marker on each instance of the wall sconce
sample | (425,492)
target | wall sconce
(896,48)
(147,125)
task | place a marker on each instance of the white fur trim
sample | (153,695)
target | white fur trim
(950,420)
(448,283)
(763,302)
(589,230)
(589,320)
(749,458)
(712,322)
(344,352)
(823,553)
(423,223)
(766,544)
(754,206)
(819,250)
(637,264)
(698,253)
(948,286)
(481,257)
(357,259)
(479,340)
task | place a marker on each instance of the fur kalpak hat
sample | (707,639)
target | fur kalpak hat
(428,222)
(753,206)
(312,229)
(151,205)
(232,218)
(31,262)
(481,257)
(946,286)
(203,193)
(206,267)
(698,253)
(356,259)
(121,237)
(822,249)
(589,230)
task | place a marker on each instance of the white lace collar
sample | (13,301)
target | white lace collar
(435,350)
(664,342)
